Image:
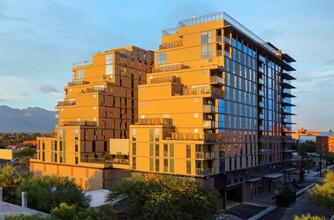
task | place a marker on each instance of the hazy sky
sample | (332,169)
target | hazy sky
(40,39)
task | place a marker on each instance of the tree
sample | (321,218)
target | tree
(322,195)
(307,146)
(10,179)
(24,155)
(165,197)
(48,192)
(27,217)
(309,217)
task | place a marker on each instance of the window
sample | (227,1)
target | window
(151,150)
(109,69)
(206,51)
(108,58)
(157,150)
(188,170)
(134,164)
(188,151)
(165,150)
(171,150)
(165,165)
(206,37)
(138,54)
(157,165)
(81,74)
(134,149)
(162,57)
(151,164)
(134,134)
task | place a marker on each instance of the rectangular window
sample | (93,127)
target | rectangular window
(165,150)
(151,164)
(134,149)
(171,165)
(81,74)
(134,164)
(162,58)
(206,51)
(109,69)
(171,150)
(157,131)
(134,134)
(157,150)
(151,150)
(188,170)
(157,165)
(165,165)
(138,54)
(188,151)
(206,37)
(108,58)
(151,134)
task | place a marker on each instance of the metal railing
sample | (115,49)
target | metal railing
(171,44)
(164,79)
(171,67)
(169,31)
(216,79)
(103,161)
(96,89)
(205,171)
(66,103)
(209,124)
(78,82)
(79,123)
(209,108)
(205,155)
(195,136)
(83,63)
(155,121)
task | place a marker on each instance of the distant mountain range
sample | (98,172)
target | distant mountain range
(26,120)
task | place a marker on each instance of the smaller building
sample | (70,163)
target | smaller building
(30,143)
(325,144)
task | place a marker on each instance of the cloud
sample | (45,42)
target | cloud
(25,95)
(46,88)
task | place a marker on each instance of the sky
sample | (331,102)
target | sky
(41,39)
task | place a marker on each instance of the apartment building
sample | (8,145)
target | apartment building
(100,103)
(325,144)
(216,108)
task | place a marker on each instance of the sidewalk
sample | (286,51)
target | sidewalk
(264,204)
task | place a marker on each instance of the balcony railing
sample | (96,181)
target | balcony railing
(164,79)
(227,54)
(155,121)
(227,40)
(212,137)
(209,124)
(78,83)
(79,123)
(83,63)
(209,109)
(205,155)
(66,103)
(205,171)
(170,67)
(202,89)
(170,44)
(103,161)
(216,80)
(219,53)
(96,89)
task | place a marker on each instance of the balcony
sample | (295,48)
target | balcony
(164,79)
(83,63)
(202,89)
(171,44)
(211,137)
(170,67)
(79,123)
(96,89)
(219,53)
(103,161)
(78,83)
(227,54)
(216,80)
(209,109)
(66,103)
(209,124)
(205,171)
(205,155)
(155,121)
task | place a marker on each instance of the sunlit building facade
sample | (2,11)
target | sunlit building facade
(100,103)
(217,108)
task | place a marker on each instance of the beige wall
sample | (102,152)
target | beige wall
(6,154)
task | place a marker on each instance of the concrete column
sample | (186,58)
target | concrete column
(1,194)
(24,199)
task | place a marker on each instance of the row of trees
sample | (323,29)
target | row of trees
(144,197)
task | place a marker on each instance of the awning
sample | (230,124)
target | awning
(254,180)
(289,170)
(274,175)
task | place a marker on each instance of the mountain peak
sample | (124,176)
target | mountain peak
(26,120)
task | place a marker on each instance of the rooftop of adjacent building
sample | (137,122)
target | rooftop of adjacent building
(11,209)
